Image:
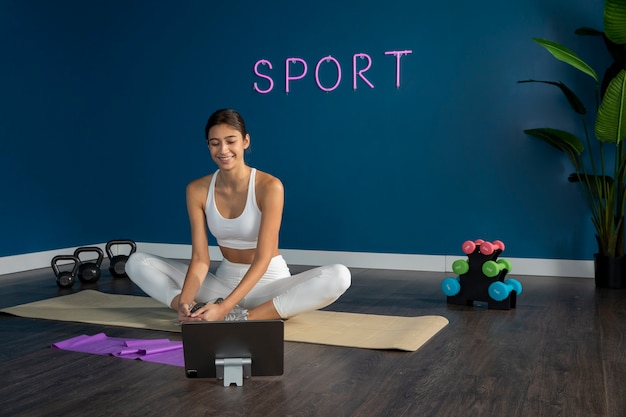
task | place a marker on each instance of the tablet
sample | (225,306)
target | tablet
(207,346)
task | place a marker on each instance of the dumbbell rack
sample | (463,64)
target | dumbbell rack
(474,284)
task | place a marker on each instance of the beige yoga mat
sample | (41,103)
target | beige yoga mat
(322,327)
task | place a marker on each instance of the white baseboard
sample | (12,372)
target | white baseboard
(35,260)
(427,263)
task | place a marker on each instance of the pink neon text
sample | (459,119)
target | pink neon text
(297,69)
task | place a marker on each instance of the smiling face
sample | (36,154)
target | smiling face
(227,146)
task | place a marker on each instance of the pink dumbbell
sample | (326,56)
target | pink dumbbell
(487,248)
(468,247)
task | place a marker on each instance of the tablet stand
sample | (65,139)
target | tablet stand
(233,370)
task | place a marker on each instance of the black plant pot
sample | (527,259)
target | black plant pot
(610,271)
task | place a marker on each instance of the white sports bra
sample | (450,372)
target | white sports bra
(241,232)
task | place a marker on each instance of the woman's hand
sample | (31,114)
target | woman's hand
(184,313)
(210,312)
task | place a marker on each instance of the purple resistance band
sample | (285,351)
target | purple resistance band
(156,350)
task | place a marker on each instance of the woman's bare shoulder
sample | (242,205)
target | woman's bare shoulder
(268,183)
(199,185)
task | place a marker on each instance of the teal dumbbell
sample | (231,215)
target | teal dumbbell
(451,286)
(499,290)
(514,284)
(492,268)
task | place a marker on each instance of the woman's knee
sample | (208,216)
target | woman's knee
(135,262)
(341,277)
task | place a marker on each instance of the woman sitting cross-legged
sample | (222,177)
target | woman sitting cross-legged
(242,208)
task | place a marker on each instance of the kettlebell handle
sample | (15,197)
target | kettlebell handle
(55,263)
(133,246)
(82,249)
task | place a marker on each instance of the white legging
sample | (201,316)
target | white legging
(163,278)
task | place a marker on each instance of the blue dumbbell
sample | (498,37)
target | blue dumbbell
(500,290)
(451,286)
(514,284)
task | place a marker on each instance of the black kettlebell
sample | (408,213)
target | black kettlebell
(89,271)
(117,267)
(65,279)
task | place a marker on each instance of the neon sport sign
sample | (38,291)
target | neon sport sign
(358,71)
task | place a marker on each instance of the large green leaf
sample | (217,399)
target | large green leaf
(560,139)
(568,56)
(572,98)
(611,119)
(615,20)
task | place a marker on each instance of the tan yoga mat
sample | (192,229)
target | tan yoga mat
(322,327)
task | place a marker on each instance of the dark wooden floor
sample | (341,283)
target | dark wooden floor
(561,352)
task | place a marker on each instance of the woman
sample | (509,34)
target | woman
(242,208)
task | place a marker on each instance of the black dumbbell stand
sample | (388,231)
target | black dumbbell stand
(475,284)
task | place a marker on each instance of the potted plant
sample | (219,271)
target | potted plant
(600,164)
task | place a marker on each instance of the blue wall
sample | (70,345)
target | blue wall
(104,103)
